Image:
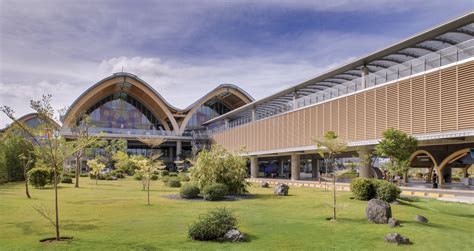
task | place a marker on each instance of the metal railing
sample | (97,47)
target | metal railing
(409,68)
(131,132)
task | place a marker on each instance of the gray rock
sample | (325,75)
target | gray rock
(396,238)
(378,211)
(265,185)
(281,189)
(421,218)
(234,235)
(393,222)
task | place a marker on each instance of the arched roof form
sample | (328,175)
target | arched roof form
(126,83)
(230,94)
(130,84)
(28,117)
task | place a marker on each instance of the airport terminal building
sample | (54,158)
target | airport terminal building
(423,86)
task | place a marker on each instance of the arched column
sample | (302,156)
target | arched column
(450,159)
(433,168)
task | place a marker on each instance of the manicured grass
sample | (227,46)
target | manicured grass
(114,216)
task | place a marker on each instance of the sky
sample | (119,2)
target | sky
(185,48)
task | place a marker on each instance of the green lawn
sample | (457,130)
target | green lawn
(114,216)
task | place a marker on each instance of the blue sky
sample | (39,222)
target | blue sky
(185,48)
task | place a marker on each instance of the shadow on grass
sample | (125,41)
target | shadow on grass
(78,227)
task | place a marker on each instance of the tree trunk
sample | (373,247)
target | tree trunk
(78,171)
(96,178)
(27,191)
(334,191)
(58,237)
(148,193)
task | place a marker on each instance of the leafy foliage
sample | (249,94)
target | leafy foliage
(40,177)
(387,192)
(214,192)
(397,146)
(366,189)
(95,165)
(123,162)
(213,225)
(189,191)
(173,182)
(220,166)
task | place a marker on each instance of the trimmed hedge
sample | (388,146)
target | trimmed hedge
(214,192)
(367,189)
(174,182)
(184,177)
(66,179)
(165,173)
(154,177)
(189,191)
(213,225)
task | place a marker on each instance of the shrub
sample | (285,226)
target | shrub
(174,182)
(213,225)
(40,177)
(173,174)
(120,176)
(154,177)
(387,192)
(66,179)
(214,192)
(363,188)
(189,191)
(165,179)
(348,175)
(184,177)
(165,173)
(220,166)
(137,176)
(102,177)
(83,175)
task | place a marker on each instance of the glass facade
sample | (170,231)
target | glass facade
(209,110)
(123,111)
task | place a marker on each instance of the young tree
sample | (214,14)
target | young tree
(111,147)
(329,147)
(50,148)
(82,141)
(122,162)
(95,166)
(146,168)
(397,146)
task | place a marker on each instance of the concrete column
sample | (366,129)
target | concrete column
(254,115)
(253,167)
(363,163)
(365,78)
(226,123)
(171,153)
(315,166)
(295,166)
(178,149)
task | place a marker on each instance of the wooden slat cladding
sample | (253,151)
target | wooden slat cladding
(436,102)
(380,111)
(465,96)
(418,105)
(448,99)
(370,114)
(433,102)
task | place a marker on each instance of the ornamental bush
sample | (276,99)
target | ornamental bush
(189,191)
(387,192)
(154,177)
(66,179)
(214,192)
(213,225)
(173,174)
(363,189)
(40,177)
(184,177)
(165,173)
(174,182)
(366,189)
(217,165)
(137,176)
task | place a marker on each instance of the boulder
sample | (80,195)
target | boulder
(281,190)
(396,238)
(265,185)
(234,235)
(420,218)
(378,211)
(393,222)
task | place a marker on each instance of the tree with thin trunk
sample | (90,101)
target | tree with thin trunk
(397,146)
(146,169)
(49,147)
(96,166)
(329,147)
(27,161)
(81,135)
